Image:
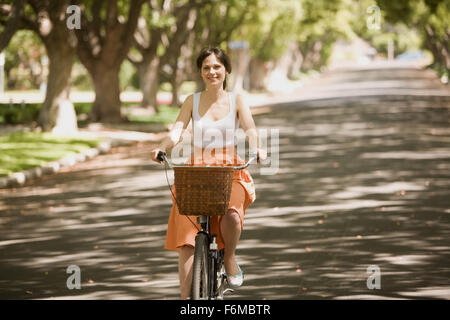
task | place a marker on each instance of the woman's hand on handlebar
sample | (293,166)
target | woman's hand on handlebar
(260,155)
(154,154)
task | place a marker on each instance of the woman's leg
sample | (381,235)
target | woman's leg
(185,260)
(230,228)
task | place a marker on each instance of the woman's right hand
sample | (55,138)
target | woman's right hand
(154,154)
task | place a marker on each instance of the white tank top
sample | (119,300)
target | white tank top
(215,134)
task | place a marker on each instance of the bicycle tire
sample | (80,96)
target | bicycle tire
(200,278)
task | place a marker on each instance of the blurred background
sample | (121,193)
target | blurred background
(63,66)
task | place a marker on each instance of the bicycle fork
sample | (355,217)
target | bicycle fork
(217,278)
(218,283)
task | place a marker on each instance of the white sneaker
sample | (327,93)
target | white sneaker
(236,280)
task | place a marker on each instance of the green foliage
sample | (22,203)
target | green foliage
(166,114)
(19,113)
(29,112)
(81,80)
(158,18)
(429,18)
(439,13)
(82,107)
(24,150)
(93,6)
(188,87)
(322,23)
(270,27)
(404,40)
(24,55)
(128,76)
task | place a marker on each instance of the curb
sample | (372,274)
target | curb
(19,178)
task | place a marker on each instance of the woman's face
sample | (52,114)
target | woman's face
(213,71)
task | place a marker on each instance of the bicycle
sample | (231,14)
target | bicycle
(208,275)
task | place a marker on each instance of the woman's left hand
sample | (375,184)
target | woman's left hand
(262,155)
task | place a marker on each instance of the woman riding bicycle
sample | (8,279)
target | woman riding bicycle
(214,113)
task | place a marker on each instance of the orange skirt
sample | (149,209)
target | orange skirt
(181,231)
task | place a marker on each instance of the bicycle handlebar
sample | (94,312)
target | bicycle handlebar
(162,156)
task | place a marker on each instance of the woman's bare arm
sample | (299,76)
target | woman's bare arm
(248,124)
(181,123)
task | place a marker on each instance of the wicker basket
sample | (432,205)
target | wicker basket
(203,191)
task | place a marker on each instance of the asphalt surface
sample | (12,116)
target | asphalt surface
(358,208)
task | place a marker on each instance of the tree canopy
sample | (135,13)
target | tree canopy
(162,37)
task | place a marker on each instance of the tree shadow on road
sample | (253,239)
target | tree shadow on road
(359,184)
(109,221)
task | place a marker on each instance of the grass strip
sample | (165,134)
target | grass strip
(20,151)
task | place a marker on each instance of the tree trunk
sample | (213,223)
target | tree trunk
(176,79)
(199,84)
(149,82)
(107,103)
(179,51)
(103,43)
(284,63)
(258,73)
(312,55)
(57,112)
(437,48)
(240,59)
(12,23)
(297,59)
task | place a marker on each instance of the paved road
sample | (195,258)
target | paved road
(363,181)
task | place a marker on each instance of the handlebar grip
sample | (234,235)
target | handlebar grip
(254,155)
(160,156)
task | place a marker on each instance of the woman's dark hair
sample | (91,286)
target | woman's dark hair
(220,55)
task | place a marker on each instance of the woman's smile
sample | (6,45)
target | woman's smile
(213,70)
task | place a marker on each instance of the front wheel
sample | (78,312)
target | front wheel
(200,281)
